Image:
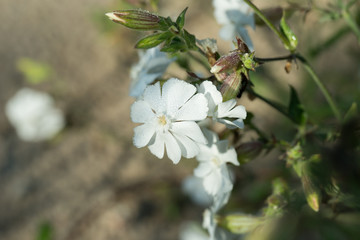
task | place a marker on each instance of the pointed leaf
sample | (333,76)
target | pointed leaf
(180,21)
(153,40)
(353,110)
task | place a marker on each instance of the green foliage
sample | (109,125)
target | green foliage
(289,34)
(45,232)
(35,72)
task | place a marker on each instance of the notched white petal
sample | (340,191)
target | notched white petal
(143,135)
(176,93)
(157,147)
(172,148)
(189,129)
(141,112)
(193,110)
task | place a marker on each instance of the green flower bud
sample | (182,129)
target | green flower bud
(227,62)
(138,19)
(240,223)
(231,86)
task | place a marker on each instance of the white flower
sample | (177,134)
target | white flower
(212,167)
(34,115)
(152,65)
(209,223)
(168,115)
(193,187)
(234,15)
(191,231)
(223,112)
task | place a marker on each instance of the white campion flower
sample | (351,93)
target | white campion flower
(224,112)
(34,115)
(152,65)
(193,187)
(168,114)
(234,15)
(192,231)
(212,168)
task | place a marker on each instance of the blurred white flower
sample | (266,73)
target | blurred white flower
(168,115)
(152,65)
(191,231)
(212,168)
(193,187)
(209,223)
(234,15)
(224,112)
(34,115)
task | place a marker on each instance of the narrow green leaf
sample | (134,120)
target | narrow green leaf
(296,109)
(352,112)
(180,21)
(153,40)
(288,33)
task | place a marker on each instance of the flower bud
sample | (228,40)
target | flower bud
(241,223)
(311,190)
(231,85)
(138,19)
(226,62)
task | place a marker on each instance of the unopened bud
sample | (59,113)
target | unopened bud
(248,61)
(138,19)
(231,86)
(241,223)
(226,62)
(311,190)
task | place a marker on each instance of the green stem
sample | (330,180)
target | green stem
(268,23)
(321,86)
(282,109)
(351,23)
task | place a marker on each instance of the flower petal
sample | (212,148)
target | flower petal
(229,156)
(143,135)
(157,147)
(141,112)
(238,123)
(189,129)
(225,107)
(152,95)
(175,93)
(194,110)
(189,148)
(213,182)
(212,95)
(172,148)
(202,170)
(237,112)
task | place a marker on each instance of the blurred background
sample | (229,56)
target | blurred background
(89,181)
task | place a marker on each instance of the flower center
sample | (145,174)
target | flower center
(216,161)
(162,120)
(163,123)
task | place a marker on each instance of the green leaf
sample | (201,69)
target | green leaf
(153,40)
(34,71)
(296,109)
(189,39)
(180,21)
(352,112)
(174,46)
(288,33)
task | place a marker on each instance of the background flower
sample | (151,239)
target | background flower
(34,115)
(234,15)
(152,65)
